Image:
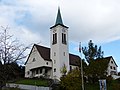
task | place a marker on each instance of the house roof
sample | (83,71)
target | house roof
(106,60)
(45,54)
(74,59)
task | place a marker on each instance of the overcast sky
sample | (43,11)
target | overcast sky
(98,20)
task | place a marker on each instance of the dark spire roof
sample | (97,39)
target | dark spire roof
(59,18)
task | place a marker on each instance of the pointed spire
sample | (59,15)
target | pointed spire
(59,18)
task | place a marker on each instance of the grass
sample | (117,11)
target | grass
(92,86)
(114,85)
(36,82)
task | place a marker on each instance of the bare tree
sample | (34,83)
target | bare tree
(11,51)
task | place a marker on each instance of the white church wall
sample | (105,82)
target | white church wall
(34,61)
(48,63)
(59,51)
(74,67)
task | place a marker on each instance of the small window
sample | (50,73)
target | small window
(54,69)
(36,71)
(54,38)
(54,61)
(70,68)
(46,70)
(111,61)
(40,70)
(54,53)
(47,63)
(77,68)
(106,73)
(33,60)
(28,72)
(64,53)
(64,38)
(110,67)
(114,68)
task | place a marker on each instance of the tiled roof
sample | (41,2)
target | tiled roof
(45,53)
(106,60)
(74,60)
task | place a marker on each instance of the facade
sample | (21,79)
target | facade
(48,62)
(112,66)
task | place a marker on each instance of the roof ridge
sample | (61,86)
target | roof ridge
(41,46)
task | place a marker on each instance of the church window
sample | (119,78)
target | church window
(55,38)
(54,69)
(54,53)
(36,71)
(46,70)
(64,38)
(40,70)
(70,68)
(64,53)
(28,72)
(54,61)
(33,60)
(47,63)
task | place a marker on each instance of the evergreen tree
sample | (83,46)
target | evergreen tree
(96,67)
(92,52)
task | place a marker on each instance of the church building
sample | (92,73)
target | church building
(47,62)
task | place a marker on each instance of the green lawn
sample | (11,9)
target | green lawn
(37,82)
(92,87)
(114,85)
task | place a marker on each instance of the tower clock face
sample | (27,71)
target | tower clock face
(63,30)
(54,30)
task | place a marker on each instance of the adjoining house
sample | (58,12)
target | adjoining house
(111,66)
(47,62)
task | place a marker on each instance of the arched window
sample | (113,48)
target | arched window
(54,38)
(64,38)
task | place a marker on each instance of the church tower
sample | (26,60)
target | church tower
(59,46)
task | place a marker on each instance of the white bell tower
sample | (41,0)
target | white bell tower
(59,46)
